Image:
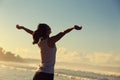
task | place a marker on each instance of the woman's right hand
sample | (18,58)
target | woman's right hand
(19,27)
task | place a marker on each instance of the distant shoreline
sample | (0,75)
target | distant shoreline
(9,56)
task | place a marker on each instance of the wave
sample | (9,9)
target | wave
(83,75)
(71,77)
(71,74)
(17,66)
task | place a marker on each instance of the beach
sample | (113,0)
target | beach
(25,71)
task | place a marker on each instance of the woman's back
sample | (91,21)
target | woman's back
(48,56)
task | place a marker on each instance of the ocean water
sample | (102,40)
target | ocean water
(25,71)
(19,71)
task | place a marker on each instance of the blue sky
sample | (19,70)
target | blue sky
(100,20)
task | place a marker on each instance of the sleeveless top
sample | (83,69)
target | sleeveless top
(48,57)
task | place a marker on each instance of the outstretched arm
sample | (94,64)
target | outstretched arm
(57,37)
(26,29)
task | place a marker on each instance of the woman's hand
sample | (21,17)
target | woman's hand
(77,27)
(19,27)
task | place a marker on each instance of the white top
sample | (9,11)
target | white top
(48,57)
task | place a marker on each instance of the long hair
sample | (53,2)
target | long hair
(40,32)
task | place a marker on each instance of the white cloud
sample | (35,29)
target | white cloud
(104,58)
(64,56)
(27,53)
(96,58)
(21,50)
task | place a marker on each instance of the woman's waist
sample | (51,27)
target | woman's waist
(47,68)
(47,64)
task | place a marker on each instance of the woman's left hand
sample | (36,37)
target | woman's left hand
(77,27)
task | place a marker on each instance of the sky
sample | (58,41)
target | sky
(97,43)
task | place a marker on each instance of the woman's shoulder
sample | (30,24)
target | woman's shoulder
(50,42)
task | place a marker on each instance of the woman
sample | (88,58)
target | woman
(48,48)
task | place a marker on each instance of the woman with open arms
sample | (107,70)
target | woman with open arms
(47,47)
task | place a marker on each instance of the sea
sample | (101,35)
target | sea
(26,71)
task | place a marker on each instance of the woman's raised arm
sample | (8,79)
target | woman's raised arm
(25,29)
(57,37)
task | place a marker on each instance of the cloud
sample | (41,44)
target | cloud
(21,50)
(28,53)
(103,58)
(96,58)
(64,56)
